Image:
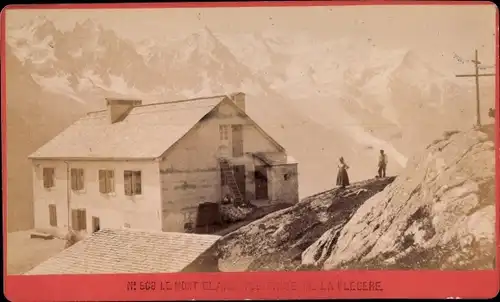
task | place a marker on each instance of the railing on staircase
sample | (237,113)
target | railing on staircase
(228,173)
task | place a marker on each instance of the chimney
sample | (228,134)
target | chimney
(239,99)
(118,109)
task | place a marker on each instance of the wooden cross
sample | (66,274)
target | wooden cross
(476,75)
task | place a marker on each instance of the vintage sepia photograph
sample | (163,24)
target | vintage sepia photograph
(250,139)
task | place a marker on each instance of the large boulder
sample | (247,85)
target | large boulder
(438,214)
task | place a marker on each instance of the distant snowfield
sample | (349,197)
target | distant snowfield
(329,81)
(317,68)
(77,53)
(89,82)
(38,52)
(346,96)
(119,85)
(25,33)
(351,126)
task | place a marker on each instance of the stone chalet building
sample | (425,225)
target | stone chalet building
(152,166)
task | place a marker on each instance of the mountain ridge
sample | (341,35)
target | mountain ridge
(327,119)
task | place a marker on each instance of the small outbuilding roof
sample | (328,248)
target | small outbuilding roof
(128,251)
(270,158)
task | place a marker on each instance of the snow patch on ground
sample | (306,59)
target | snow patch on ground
(119,85)
(77,53)
(57,84)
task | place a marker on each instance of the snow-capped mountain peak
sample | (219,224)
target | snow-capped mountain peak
(327,98)
(205,37)
(201,43)
(38,27)
(87,27)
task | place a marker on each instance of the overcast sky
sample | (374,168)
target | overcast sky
(427,29)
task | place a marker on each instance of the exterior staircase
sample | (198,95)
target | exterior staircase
(227,171)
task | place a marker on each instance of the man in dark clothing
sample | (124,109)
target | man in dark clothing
(382,164)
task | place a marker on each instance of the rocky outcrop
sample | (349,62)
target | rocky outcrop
(277,241)
(438,214)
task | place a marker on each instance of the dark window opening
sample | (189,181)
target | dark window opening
(48,177)
(96,224)
(260,176)
(132,182)
(77,179)
(79,219)
(53,215)
(106,181)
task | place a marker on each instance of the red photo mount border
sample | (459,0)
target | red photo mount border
(255,285)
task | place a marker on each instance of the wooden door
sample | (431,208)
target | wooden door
(96,224)
(237,140)
(222,177)
(207,217)
(239,176)
(53,215)
(261,187)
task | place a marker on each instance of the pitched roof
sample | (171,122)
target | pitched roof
(268,159)
(147,132)
(128,251)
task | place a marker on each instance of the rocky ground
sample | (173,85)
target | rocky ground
(276,241)
(439,213)
(233,217)
(250,216)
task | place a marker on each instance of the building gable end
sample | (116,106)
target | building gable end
(239,111)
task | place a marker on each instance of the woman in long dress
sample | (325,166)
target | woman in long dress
(342,176)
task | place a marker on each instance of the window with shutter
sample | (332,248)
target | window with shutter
(137,183)
(102,181)
(48,177)
(224,132)
(80,179)
(73,179)
(106,181)
(53,215)
(77,179)
(52,177)
(132,182)
(110,180)
(127,177)
(83,219)
(74,220)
